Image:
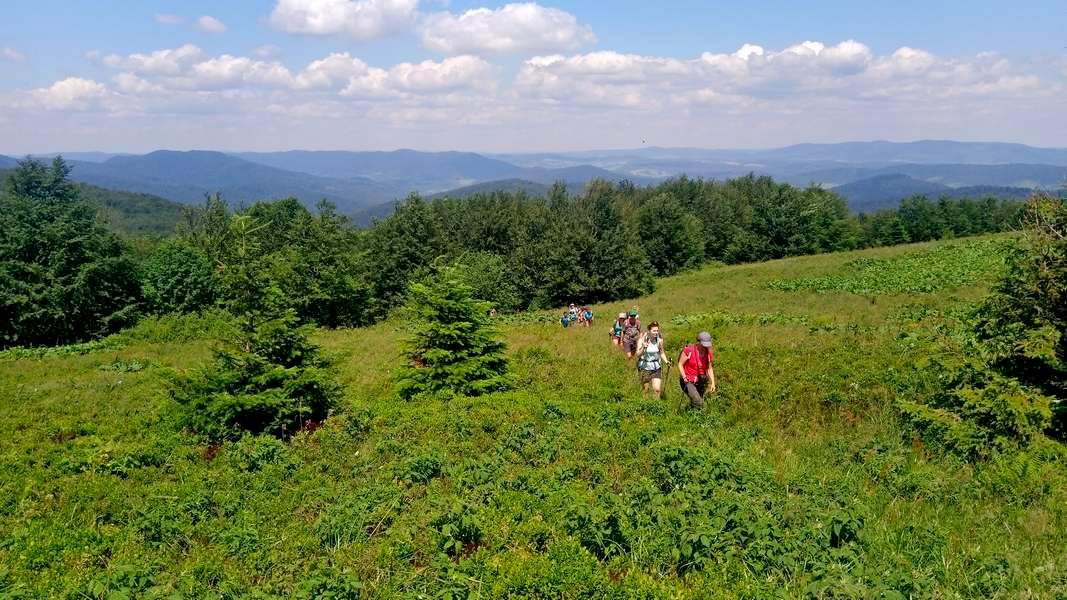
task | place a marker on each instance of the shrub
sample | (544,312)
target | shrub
(270,378)
(453,349)
(459,531)
(1012,383)
(330,584)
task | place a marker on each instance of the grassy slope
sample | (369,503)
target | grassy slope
(802,433)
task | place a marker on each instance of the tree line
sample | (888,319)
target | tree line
(65,278)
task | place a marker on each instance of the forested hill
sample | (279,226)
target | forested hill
(128,213)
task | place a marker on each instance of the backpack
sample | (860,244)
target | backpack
(631,330)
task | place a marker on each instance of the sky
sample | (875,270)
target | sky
(123,76)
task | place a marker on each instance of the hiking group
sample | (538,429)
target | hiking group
(696,373)
(580,317)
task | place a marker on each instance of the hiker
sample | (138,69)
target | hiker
(615,333)
(588,315)
(573,311)
(565,320)
(651,356)
(631,330)
(695,371)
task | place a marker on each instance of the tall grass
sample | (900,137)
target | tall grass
(798,480)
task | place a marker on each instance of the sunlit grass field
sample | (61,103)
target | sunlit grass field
(798,480)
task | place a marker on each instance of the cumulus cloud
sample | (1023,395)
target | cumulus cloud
(754,94)
(69,93)
(188,69)
(360,19)
(209,24)
(845,71)
(161,62)
(11,54)
(525,27)
(167,19)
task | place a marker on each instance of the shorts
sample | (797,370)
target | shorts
(694,391)
(648,376)
(629,344)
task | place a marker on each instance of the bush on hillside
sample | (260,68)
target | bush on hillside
(63,277)
(453,349)
(1012,385)
(177,278)
(269,378)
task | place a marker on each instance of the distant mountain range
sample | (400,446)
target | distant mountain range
(869,175)
(886,191)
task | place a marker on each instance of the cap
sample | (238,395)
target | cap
(705,339)
(633,312)
(622,315)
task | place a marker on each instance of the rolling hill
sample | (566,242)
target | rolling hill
(426,172)
(951,175)
(886,191)
(922,151)
(530,188)
(130,213)
(187,176)
(431,172)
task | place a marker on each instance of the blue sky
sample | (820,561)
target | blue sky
(536,76)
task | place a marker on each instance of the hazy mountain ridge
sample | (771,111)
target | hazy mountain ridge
(360,183)
(886,191)
(187,176)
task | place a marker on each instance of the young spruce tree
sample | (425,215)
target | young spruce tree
(269,378)
(454,350)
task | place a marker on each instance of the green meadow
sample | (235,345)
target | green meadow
(799,479)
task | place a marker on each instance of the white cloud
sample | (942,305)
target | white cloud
(525,27)
(70,93)
(750,96)
(166,19)
(209,24)
(360,19)
(449,74)
(7,53)
(129,83)
(232,71)
(848,71)
(160,62)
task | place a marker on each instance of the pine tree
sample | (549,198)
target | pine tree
(269,378)
(453,350)
(63,277)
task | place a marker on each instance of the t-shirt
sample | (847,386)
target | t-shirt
(694,365)
(649,359)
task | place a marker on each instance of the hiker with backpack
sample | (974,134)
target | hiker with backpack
(651,356)
(695,370)
(615,333)
(587,316)
(631,330)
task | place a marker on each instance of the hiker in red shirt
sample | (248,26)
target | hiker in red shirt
(696,373)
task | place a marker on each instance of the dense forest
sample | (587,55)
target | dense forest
(69,279)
